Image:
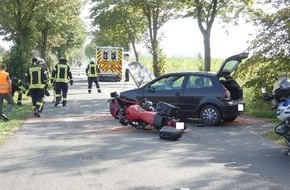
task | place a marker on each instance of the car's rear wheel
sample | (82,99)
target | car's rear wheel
(210,115)
(229,119)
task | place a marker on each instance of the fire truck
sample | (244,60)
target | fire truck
(110,61)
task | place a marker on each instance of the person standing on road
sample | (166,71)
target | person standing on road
(126,64)
(5,92)
(37,79)
(92,71)
(63,76)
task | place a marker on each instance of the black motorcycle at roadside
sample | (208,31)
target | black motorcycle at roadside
(280,98)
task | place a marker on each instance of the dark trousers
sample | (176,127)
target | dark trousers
(127,75)
(61,89)
(92,80)
(37,95)
(10,101)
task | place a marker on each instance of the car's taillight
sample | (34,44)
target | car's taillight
(227,94)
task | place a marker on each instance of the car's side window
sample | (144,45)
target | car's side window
(198,82)
(168,83)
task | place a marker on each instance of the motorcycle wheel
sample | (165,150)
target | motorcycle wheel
(280,129)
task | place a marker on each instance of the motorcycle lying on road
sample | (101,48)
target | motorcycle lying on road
(280,97)
(145,116)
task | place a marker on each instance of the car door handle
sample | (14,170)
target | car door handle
(177,94)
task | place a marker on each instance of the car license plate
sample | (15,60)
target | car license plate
(240,107)
(179,125)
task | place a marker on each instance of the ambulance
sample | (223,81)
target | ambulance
(110,62)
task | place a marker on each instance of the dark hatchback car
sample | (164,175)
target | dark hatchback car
(210,96)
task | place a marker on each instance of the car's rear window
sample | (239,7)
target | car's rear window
(198,82)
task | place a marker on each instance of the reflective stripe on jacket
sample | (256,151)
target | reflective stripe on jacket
(4,84)
(35,77)
(61,73)
(92,70)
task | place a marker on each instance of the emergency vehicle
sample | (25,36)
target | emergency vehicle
(110,61)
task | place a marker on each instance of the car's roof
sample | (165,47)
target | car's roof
(202,73)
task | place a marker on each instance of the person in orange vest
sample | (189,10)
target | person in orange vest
(5,92)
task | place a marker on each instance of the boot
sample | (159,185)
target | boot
(99,90)
(4,117)
(36,113)
(89,91)
(63,103)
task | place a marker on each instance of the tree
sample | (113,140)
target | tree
(207,11)
(59,24)
(133,16)
(119,24)
(16,23)
(270,48)
(157,13)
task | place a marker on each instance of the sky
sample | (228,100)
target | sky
(182,38)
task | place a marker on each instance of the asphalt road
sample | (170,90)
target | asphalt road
(81,146)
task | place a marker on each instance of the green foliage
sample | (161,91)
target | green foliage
(124,22)
(270,51)
(180,64)
(37,26)
(257,106)
(273,136)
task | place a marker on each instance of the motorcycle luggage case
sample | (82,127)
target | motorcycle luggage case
(170,133)
(167,109)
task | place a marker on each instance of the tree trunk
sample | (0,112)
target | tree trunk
(43,44)
(135,50)
(155,63)
(207,51)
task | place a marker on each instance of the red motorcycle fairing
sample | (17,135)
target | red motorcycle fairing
(137,113)
(114,108)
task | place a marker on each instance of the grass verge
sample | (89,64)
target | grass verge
(17,118)
(262,109)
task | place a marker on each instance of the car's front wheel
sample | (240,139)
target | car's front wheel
(210,115)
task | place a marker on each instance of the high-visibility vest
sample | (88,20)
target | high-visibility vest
(61,73)
(35,78)
(92,70)
(4,84)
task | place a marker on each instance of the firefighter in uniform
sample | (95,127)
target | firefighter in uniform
(92,71)
(5,92)
(37,79)
(63,76)
(17,86)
